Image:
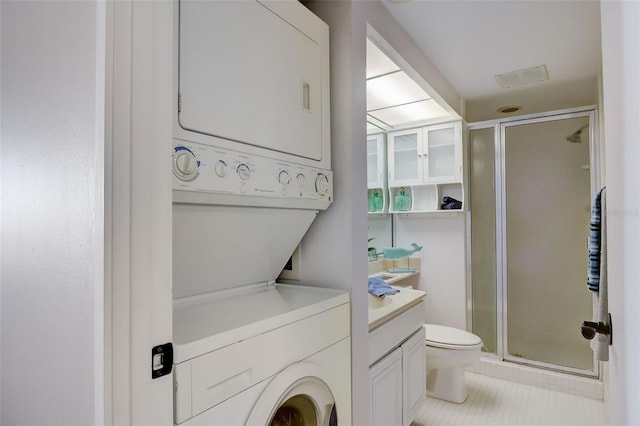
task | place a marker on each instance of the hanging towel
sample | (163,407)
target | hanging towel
(600,343)
(595,237)
(379,288)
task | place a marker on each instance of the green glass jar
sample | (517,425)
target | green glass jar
(402,201)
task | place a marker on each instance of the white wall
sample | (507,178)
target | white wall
(621,87)
(334,250)
(50,211)
(442,265)
(338,238)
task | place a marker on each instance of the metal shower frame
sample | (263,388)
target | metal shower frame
(499,126)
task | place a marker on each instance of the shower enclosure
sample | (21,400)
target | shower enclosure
(531,186)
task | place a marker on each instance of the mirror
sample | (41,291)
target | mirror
(395,101)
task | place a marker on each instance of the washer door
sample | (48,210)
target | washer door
(298,396)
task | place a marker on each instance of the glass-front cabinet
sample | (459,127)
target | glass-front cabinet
(375,160)
(405,157)
(425,169)
(443,154)
(377,173)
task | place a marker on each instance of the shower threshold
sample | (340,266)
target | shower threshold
(490,365)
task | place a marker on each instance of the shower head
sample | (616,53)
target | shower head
(575,137)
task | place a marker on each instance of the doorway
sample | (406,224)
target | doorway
(532,182)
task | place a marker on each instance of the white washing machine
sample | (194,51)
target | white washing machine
(272,354)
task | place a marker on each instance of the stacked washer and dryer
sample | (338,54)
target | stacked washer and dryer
(251,165)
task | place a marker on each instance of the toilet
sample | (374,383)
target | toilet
(449,351)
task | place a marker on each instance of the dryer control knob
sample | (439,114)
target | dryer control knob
(283,177)
(185,163)
(322,184)
(243,172)
(221,168)
(300,179)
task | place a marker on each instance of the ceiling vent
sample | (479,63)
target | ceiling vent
(522,77)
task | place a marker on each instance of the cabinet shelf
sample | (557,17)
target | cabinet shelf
(438,213)
(406,150)
(427,198)
(444,145)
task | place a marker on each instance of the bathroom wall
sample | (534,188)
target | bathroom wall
(621,88)
(52,84)
(442,264)
(333,251)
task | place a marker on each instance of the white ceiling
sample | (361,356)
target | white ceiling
(472,41)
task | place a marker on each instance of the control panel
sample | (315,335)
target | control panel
(208,169)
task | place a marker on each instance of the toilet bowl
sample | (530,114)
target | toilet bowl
(449,351)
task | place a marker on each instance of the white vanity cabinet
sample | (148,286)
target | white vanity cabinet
(426,163)
(385,389)
(414,375)
(397,371)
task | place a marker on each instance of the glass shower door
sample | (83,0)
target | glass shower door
(546,211)
(482,177)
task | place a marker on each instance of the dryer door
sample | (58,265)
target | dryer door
(298,396)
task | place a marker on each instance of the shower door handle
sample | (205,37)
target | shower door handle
(590,328)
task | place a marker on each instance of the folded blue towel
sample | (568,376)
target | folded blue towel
(378,287)
(593,272)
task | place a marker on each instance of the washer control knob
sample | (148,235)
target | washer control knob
(300,179)
(185,163)
(322,184)
(221,168)
(283,177)
(243,172)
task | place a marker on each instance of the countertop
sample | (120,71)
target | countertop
(382,309)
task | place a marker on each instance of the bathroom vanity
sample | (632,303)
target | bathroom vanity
(397,370)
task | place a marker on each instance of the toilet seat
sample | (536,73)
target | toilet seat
(439,336)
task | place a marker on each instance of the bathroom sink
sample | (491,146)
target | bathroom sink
(394,278)
(378,302)
(387,276)
(383,309)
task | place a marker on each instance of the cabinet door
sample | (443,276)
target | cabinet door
(385,390)
(405,157)
(443,159)
(414,375)
(375,161)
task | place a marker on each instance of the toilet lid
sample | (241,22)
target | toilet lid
(447,337)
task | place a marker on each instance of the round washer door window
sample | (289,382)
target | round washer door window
(298,410)
(295,397)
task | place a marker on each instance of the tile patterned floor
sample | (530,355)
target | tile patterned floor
(496,402)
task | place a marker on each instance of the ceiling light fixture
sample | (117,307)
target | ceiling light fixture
(508,109)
